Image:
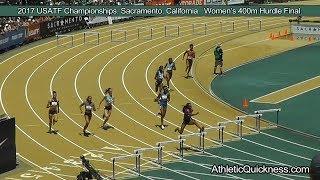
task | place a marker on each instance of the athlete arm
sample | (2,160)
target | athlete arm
(174,66)
(100,103)
(168,97)
(48,104)
(195,114)
(184,54)
(93,107)
(58,107)
(157,98)
(82,104)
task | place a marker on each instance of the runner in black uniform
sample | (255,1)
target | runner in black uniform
(159,78)
(88,108)
(109,101)
(171,66)
(53,105)
(187,119)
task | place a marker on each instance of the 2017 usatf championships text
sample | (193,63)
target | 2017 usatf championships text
(153,11)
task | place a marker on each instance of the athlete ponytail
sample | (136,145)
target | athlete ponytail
(107,90)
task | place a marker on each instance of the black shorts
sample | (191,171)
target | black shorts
(108,107)
(53,111)
(158,82)
(89,114)
(186,120)
(190,62)
(169,73)
(218,63)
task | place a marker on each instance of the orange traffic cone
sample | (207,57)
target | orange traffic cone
(286,32)
(309,39)
(245,103)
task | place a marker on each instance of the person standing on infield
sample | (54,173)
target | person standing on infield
(218,55)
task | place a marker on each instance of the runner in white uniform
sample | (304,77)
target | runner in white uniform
(159,78)
(109,101)
(171,66)
(88,108)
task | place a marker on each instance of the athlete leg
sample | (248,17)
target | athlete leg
(105,117)
(87,119)
(50,122)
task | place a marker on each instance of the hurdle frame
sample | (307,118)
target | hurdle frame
(221,26)
(172,141)
(201,142)
(269,110)
(257,117)
(64,35)
(148,29)
(137,165)
(260,24)
(114,31)
(205,29)
(158,148)
(165,30)
(91,32)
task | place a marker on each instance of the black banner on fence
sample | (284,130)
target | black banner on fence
(7,145)
(61,25)
(12,38)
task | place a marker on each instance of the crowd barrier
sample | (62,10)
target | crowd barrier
(40,30)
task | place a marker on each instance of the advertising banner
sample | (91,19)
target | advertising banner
(191,2)
(12,38)
(305,29)
(33,32)
(223,2)
(61,25)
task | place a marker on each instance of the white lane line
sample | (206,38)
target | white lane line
(59,174)
(61,66)
(2,105)
(79,97)
(102,93)
(203,174)
(177,89)
(47,171)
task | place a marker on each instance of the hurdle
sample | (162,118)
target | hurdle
(257,116)
(201,141)
(158,148)
(97,34)
(113,32)
(150,30)
(194,27)
(137,163)
(64,36)
(239,124)
(180,140)
(269,111)
(227,30)
(249,21)
(220,129)
(166,27)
